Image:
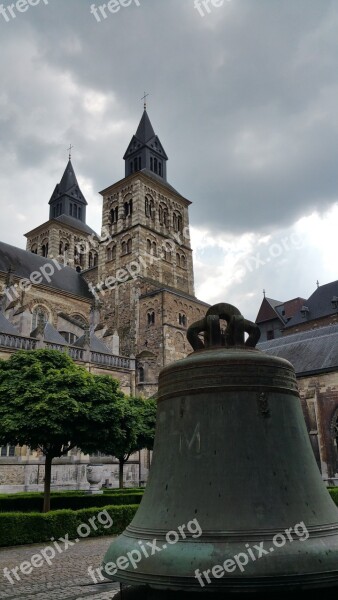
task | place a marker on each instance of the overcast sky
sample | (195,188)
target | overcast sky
(244,99)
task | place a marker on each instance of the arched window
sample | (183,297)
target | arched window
(39,316)
(61,248)
(166,253)
(151,317)
(177,222)
(183,261)
(44,249)
(163,216)
(128,208)
(34,249)
(111,252)
(154,249)
(129,245)
(148,246)
(114,215)
(149,207)
(182,319)
(80,320)
(178,260)
(124,248)
(141,375)
(92,259)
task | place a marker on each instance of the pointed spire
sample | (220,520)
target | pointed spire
(145,131)
(68,179)
(145,151)
(67,198)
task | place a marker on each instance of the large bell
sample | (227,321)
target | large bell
(235,501)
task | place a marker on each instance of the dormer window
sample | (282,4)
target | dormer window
(334,302)
(304,311)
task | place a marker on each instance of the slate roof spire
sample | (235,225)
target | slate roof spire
(67,198)
(145,150)
(145,130)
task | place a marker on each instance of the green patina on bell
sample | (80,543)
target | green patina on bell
(233,476)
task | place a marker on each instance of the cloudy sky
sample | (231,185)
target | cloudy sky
(244,99)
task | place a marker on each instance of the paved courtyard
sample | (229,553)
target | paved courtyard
(66,578)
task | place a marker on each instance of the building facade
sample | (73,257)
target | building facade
(118,302)
(309,340)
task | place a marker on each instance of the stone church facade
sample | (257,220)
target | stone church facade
(118,302)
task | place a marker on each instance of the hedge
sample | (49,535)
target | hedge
(32,528)
(74,501)
(334,494)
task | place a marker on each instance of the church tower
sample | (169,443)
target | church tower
(66,236)
(145,271)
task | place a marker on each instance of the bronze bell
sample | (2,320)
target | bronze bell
(235,500)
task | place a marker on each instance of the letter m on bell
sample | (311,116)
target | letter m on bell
(191,443)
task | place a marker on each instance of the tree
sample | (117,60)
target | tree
(137,429)
(48,402)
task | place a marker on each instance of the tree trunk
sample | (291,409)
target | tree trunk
(48,476)
(121,464)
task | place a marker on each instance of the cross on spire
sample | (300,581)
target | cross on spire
(70,151)
(145,102)
(264,293)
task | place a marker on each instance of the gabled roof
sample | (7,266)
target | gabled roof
(268,310)
(159,179)
(6,326)
(23,263)
(76,224)
(151,175)
(319,304)
(307,351)
(95,344)
(66,220)
(50,335)
(68,186)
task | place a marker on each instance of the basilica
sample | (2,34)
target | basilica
(119,301)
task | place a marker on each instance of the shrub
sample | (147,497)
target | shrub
(30,528)
(334,494)
(74,501)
